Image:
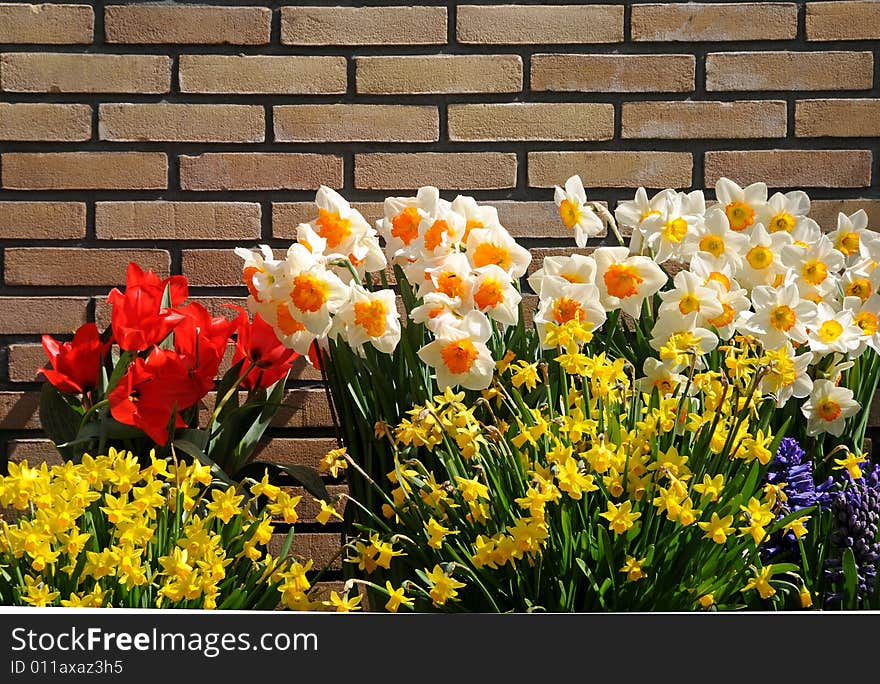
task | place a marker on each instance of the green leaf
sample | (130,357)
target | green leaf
(850,580)
(193,450)
(59,419)
(305,477)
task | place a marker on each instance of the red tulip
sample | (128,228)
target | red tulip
(201,339)
(154,390)
(76,365)
(139,321)
(259,345)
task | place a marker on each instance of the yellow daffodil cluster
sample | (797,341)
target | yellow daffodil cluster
(110,531)
(620,472)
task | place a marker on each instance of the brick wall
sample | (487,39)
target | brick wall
(169,133)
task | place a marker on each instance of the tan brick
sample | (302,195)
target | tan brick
(299,408)
(27,72)
(212,267)
(825,211)
(24,361)
(260,171)
(792,168)
(451,171)
(296,451)
(612,169)
(177,220)
(726,71)
(363,25)
(42,220)
(684,120)
(224,123)
(46,24)
(837,118)
(531,121)
(33,451)
(301,369)
(157,24)
(356,123)
(258,74)
(19,410)
(39,315)
(85,171)
(613,73)
(216,306)
(45,122)
(66,265)
(697,22)
(533,24)
(842,20)
(415,75)
(322,548)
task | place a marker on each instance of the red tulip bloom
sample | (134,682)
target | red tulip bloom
(76,365)
(153,391)
(139,321)
(201,339)
(259,345)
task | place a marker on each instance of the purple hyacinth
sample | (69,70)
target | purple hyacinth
(856,510)
(793,471)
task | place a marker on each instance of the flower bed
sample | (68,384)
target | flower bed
(678,425)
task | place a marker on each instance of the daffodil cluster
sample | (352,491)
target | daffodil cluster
(459,262)
(591,491)
(754,265)
(109,532)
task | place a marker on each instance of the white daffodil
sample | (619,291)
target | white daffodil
(400,225)
(574,212)
(733,303)
(575,268)
(806,232)
(741,205)
(816,263)
(866,316)
(450,275)
(440,233)
(689,294)
(460,356)
(494,245)
(659,376)
(787,374)
(562,301)
(762,263)
(680,341)
(631,213)
(850,229)
(666,233)
(437,310)
(475,215)
(828,408)
(780,316)
(261,272)
(493,293)
(860,280)
(369,317)
(784,211)
(714,238)
(833,331)
(291,331)
(315,294)
(337,223)
(625,281)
